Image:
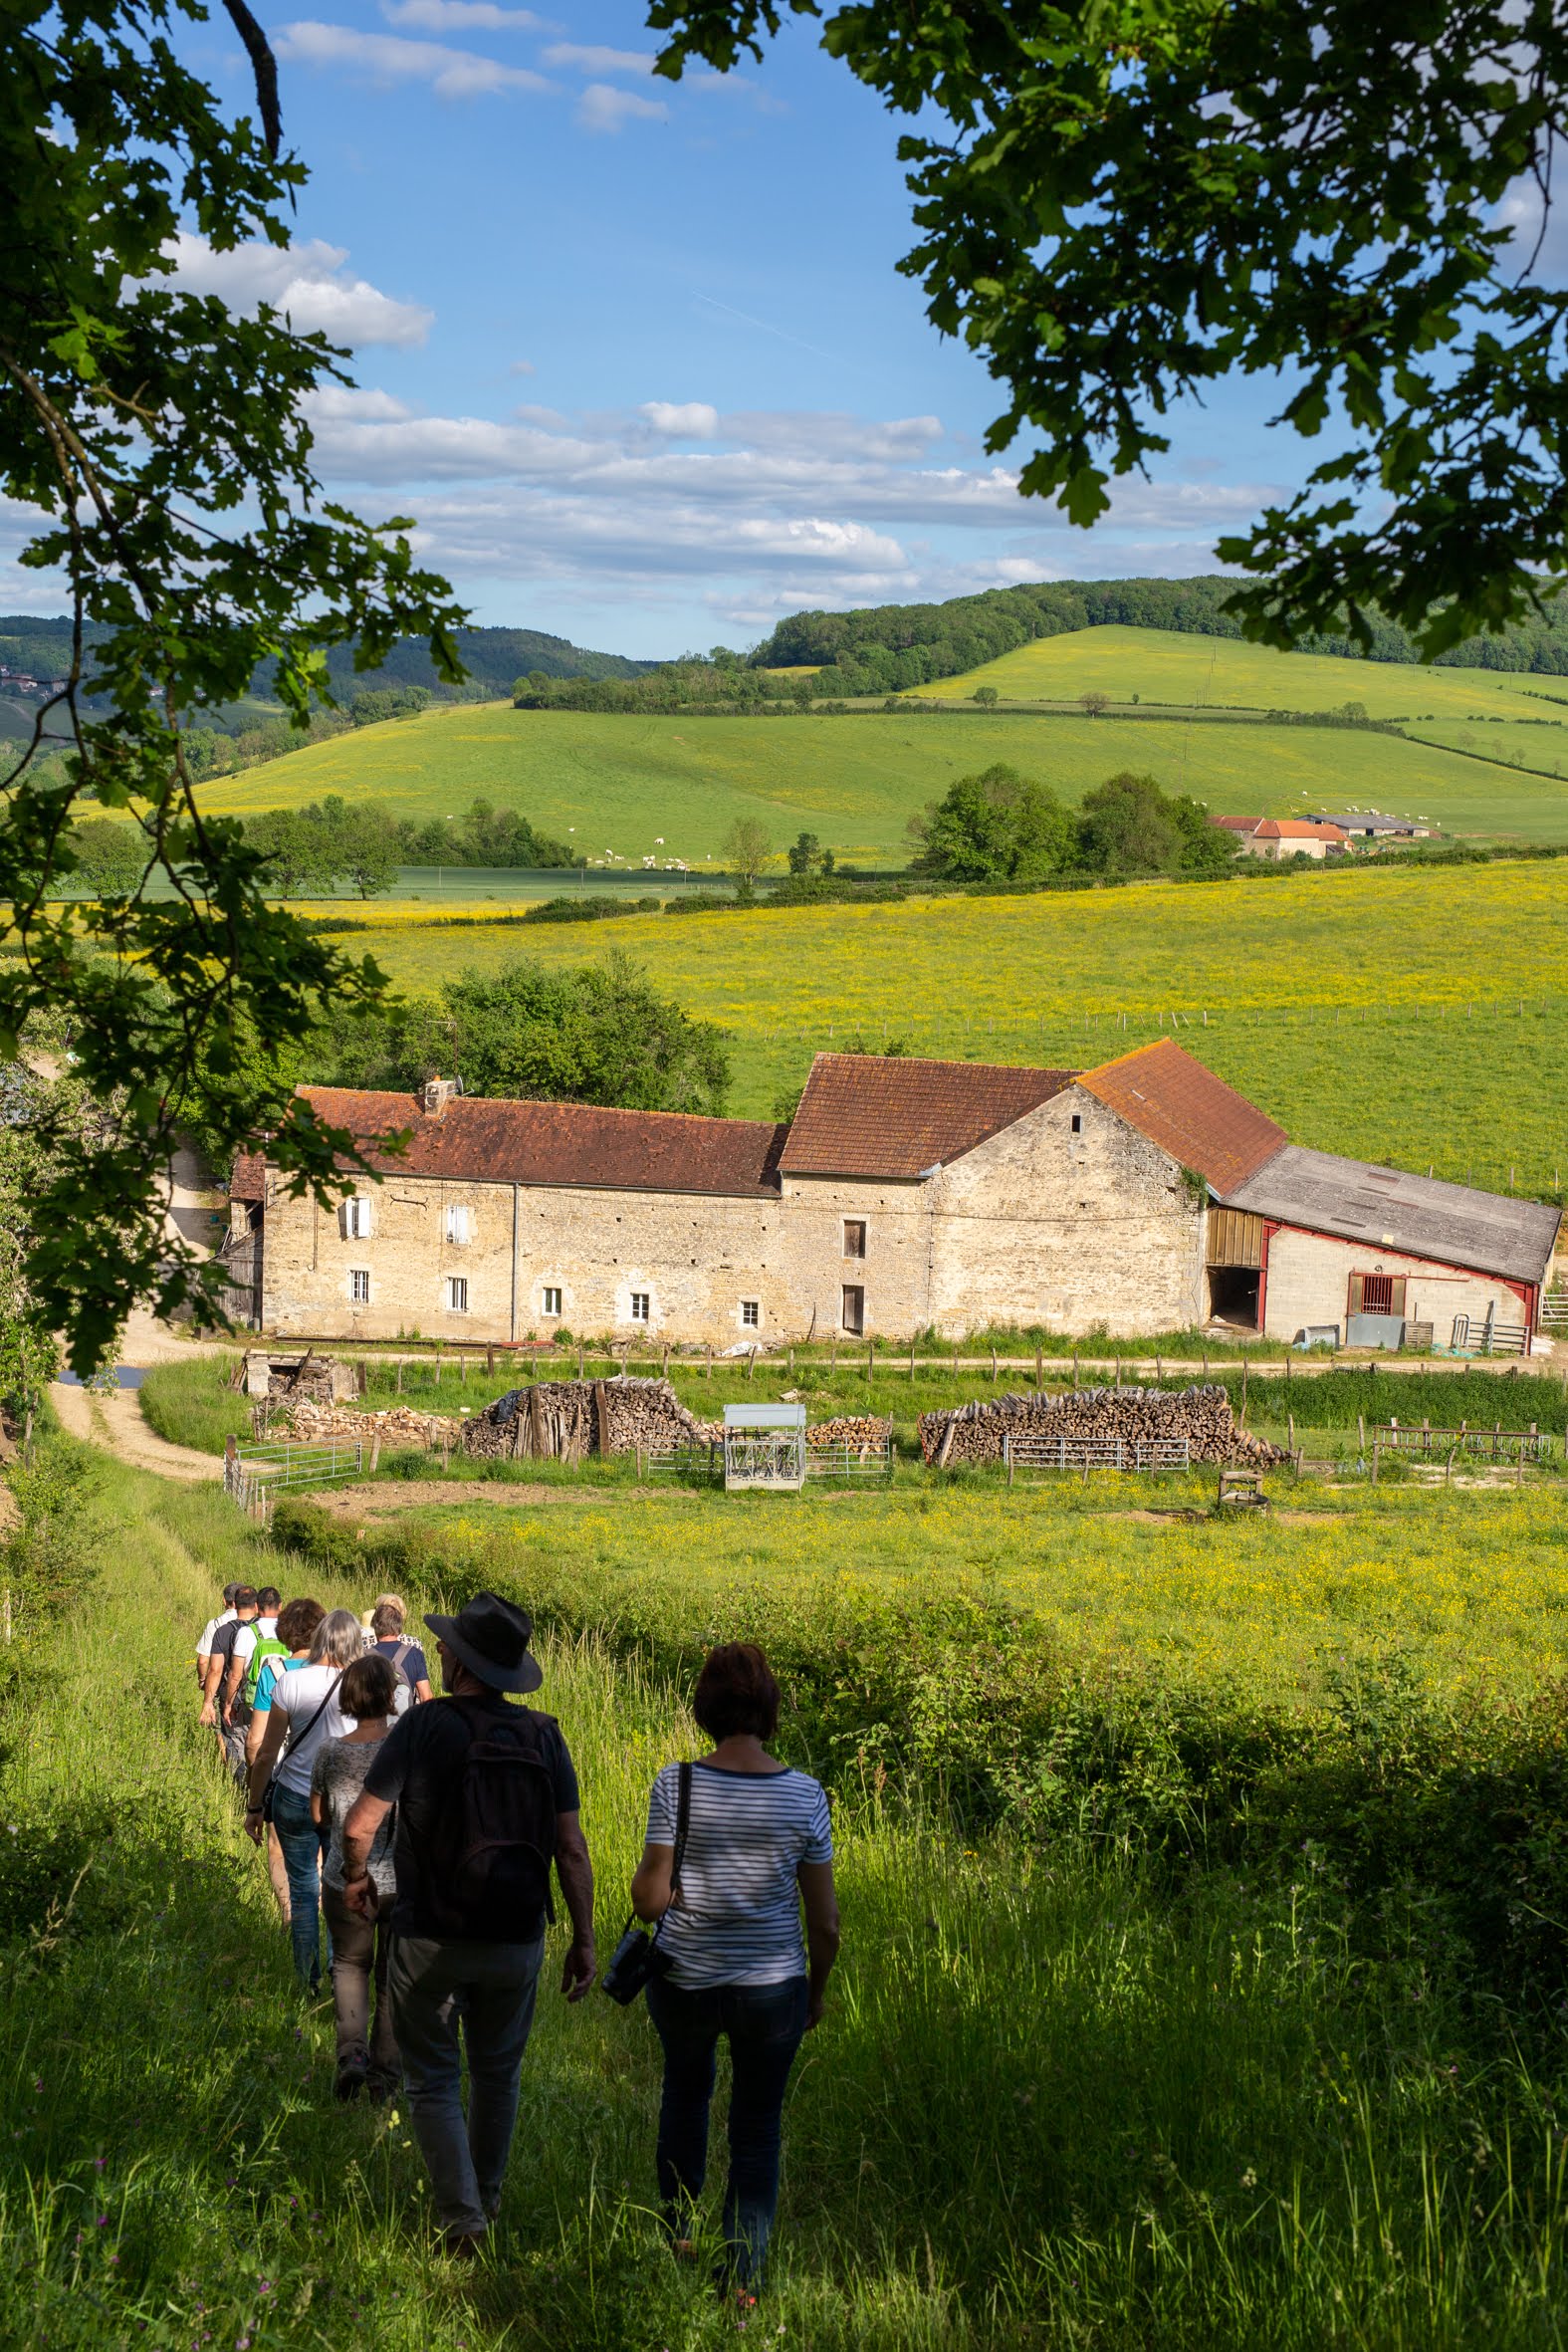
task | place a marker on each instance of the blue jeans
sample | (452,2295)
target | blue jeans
(300,1841)
(489,1990)
(764,2025)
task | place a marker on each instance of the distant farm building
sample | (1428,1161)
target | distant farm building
(905,1196)
(1364,825)
(1286,836)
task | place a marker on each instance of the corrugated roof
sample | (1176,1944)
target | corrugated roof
(1389,1210)
(866,1114)
(248,1180)
(1237,824)
(1187,1111)
(511,1142)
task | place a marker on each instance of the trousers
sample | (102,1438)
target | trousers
(300,1841)
(764,2025)
(361,1949)
(489,1991)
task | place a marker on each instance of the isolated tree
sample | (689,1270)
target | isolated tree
(994,827)
(986,696)
(1120,205)
(1094,703)
(110,855)
(1125,827)
(806,857)
(748,852)
(164,446)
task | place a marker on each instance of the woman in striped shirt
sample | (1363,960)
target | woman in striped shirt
(758,1850)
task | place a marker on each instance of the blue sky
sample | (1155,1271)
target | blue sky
(637,355)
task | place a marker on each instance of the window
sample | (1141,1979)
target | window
(1377,1293)
(357,1218)
(551,1300)
(751,1314)
(1077,1123)
(457,1294)
(854,1237)
(457,1229)
(359,1286)
(854,1311)
(640,1304)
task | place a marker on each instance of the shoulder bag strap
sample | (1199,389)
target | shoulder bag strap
(683,1823)
(290,1742)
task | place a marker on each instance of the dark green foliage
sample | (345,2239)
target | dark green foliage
(997,827)
(592,907)
(484,835)
(310,851)
(109,856)
(596,1034)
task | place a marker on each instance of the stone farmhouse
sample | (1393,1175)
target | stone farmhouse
(1144,1195)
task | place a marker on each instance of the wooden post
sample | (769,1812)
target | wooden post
(664,1369)
(993,1367)
(579,1360)
(1117,1376)
(400,1376)
(376,1457)
(792,1359)
(490,1359)
(870,1359)
(462,1369)
(1377,1447)
(1075,1367)
(708,1371)
(1159,1361)
(751,1365)
(912,1359)
(832,1354)
(1291,1425)
(1447,1471)
(1008,1446)
(1039,1375)
(1206,1367)
(438,1367)
(639,1461)
(1360,1433)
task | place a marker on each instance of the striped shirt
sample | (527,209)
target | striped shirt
(738,1920)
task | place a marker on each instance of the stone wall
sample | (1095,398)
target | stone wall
(1044,1223)
(1309,1283)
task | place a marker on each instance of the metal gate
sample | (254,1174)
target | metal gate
(254,1475)
(1096,1452)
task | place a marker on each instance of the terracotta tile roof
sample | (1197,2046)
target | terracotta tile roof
(511,1142)
(1187,1111)
(248,1180)
(1297,829)
(866,1115)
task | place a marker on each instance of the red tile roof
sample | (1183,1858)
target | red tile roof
(864,1114)
(1298,829)
(509,1142)
(1187,1111)
(248,1180)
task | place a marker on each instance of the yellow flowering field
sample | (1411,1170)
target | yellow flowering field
(1397,1015)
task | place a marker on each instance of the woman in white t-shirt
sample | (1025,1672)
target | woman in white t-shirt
(303,1712)
(758,1848)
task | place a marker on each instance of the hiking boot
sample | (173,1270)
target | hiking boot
(352,2080)
(380,2086)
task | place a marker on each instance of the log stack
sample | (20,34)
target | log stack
(561,1420)
(864,1433)
(974,1432)
(311,1423)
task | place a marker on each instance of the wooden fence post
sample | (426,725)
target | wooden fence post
(993,1367)
(579,1360)
(708,1373)
(1291,1425)
(1075,1367)
(870,1359)
(400,1376)
(1243,1392)
(1377,1447)
(912,1359)
(1360,1433)
(1039,1377)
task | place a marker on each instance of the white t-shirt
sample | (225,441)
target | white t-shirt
(298,1696)
(209,1633)
(261,1629)
(737,1921)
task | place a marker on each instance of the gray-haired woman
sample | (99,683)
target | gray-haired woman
(303,1712)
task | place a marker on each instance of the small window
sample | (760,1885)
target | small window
(1377,1293)
(854,1237)
(457,1294)
(551,1300)
(640,1306)
(457,1229)
(357,1218)
(855,1310)
(359,1286)
(751,1314)
(1077,1123)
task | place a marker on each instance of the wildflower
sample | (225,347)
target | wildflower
(98,2162)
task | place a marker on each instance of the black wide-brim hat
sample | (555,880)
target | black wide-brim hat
(491,1636)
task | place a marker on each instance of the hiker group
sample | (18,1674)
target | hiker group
(427,1832)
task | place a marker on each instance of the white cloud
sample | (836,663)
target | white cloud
(681,420)
(448,16)
(523,368)
(602,107)
(307,282)
(387,58)
(589,60)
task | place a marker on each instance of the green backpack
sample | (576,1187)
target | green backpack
(267,1646)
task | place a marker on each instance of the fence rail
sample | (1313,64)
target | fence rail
(252,1475)
(1488,1445)
(1489,1338)
(825,1459)
(1096,1452)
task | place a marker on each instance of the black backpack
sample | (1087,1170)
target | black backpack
(489,1877)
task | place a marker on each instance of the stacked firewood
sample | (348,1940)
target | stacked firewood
(311,1423)
(974,1432)
(561,1420)
(865,1431)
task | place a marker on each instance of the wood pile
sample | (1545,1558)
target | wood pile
(311,1423)
(864,1432)
(974,1432)
(561,1420)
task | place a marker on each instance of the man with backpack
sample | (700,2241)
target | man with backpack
(219,1660)
(254,1644)
(486,1799)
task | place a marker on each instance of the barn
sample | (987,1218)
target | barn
(1142,1196)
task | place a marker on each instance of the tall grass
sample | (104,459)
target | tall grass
(1050,2105)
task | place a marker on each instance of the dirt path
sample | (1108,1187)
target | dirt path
(116,1422)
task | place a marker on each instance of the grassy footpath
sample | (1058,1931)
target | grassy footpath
(1054,2105)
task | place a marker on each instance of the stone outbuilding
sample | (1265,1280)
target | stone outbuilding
(906,1196)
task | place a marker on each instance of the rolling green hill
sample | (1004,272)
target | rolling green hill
(670,788)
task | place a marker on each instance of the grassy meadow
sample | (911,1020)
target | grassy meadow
(1112,2058)
(670,788)
(1399,1016)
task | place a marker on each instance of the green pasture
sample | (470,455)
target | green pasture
(671,788)
(1416,1018)
(1173,666)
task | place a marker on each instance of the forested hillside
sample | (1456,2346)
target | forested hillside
(885,648)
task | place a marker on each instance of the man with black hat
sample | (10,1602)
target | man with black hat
(486,1799)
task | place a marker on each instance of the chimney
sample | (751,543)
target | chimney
(436,1094)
